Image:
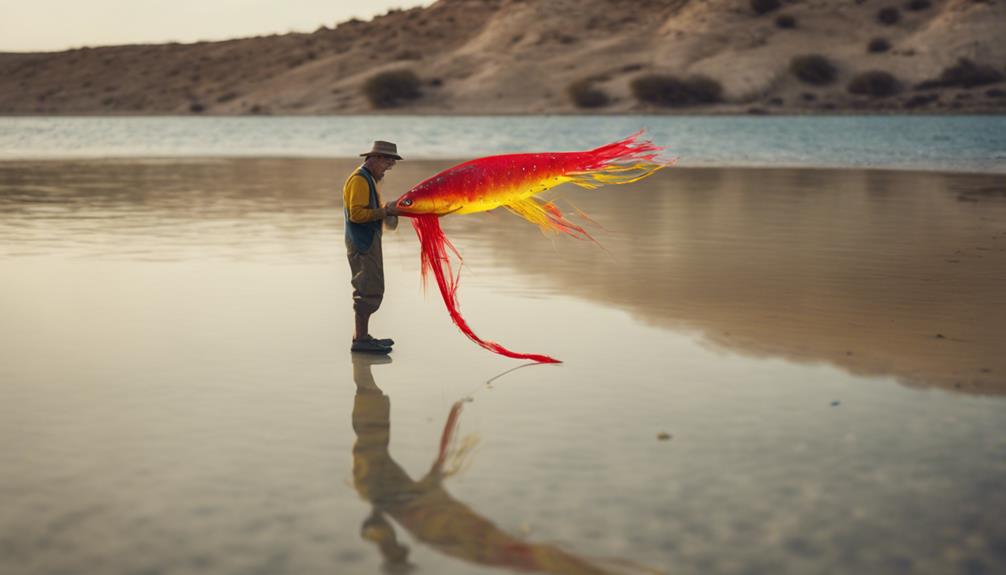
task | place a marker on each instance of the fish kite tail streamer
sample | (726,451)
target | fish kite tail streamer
(435,257)
(621,162)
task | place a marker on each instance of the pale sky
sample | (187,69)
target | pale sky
(42,25)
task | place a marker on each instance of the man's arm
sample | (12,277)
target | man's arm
(357,199)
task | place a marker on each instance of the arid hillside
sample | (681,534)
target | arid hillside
(554,56)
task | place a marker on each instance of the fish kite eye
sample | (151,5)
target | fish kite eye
(406,203)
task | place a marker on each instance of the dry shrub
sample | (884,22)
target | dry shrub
(389,89)
(968,74)
(918,5)
(671,91)
(964,74)
(585,95)
(888,16)
(813,69)
(878,45)
(875,83)
(764,6)
(785,21)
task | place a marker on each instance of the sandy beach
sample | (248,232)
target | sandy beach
(178,395)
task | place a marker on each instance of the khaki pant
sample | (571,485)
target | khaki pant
(368,275)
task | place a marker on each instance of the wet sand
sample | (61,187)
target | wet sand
(178,397)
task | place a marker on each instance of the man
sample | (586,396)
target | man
(365,215)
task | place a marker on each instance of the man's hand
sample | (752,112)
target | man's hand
(391,209)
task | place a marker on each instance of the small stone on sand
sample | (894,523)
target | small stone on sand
(663,436)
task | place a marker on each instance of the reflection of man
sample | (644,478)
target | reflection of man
(424,507)
(365,214)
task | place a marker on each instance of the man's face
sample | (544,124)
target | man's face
(382,164)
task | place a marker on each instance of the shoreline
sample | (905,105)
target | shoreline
(194,159)
(733,110)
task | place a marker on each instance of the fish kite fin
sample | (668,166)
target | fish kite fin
(584,215)
(548,217)
(434,248)
(622,162)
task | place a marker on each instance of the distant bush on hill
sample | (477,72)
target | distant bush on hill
(888,16)
(918,5)
(878,45)
(585,95)
(672,91)
(813,69)
(875,83)
(964,74)
(389,89)
(785,21)
(764,6)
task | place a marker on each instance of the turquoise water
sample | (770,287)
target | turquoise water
(958,143)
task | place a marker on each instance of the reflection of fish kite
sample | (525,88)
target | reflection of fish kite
(512,181)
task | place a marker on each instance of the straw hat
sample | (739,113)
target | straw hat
(382,148)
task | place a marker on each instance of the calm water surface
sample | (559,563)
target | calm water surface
(958,143)
(822,347)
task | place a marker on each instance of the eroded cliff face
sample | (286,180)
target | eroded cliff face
(515,57)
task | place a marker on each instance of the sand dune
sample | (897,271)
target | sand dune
(523,56)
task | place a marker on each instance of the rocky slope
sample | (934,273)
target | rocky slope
(554,56)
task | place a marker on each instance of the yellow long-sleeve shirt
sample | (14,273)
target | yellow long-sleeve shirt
(356,198)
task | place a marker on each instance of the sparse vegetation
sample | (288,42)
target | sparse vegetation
(964,74)
(785,21)
(878,45)
(389,89)
(585,95)
(888,16)
(875,83)
(197,108)
(918,5)
(813,69)
(764,6)
(672,91)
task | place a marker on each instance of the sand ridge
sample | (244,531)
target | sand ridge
(523,56)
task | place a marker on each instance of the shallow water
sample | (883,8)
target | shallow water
(822,347)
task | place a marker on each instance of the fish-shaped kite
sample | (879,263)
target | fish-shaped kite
(513,181)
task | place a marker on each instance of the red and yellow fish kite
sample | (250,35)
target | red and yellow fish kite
(513,181)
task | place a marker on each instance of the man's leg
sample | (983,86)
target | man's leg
(368,287)
(362,324)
